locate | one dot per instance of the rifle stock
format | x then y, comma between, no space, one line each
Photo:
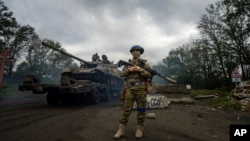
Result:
151,71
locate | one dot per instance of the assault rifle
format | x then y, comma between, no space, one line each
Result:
152,72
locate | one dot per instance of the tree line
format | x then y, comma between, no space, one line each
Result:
223,45
31,57
206,62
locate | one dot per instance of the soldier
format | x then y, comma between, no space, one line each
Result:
95,57
105,59
135,91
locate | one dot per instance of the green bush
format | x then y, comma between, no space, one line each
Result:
11,91
223,99
9,88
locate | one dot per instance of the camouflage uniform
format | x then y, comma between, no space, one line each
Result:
135,92
136,80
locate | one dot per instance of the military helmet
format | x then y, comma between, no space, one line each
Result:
137,47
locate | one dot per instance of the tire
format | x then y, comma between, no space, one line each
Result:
52,98
94,97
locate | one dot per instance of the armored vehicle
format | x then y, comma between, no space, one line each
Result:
94,81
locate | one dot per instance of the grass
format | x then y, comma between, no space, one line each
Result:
12,91
223,100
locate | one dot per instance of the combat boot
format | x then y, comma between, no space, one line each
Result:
120,132
138,133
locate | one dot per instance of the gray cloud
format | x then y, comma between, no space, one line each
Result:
111,27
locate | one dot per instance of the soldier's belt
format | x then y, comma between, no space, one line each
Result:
133,84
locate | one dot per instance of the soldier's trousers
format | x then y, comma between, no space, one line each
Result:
131,96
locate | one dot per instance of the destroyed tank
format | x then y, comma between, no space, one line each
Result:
94,81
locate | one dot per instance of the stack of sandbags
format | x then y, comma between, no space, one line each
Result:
172,89
242,93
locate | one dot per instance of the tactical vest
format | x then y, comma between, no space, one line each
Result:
136,76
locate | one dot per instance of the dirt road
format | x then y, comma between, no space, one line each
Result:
32,119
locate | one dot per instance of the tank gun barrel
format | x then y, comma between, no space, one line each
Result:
69,55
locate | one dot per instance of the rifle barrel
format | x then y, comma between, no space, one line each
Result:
151,71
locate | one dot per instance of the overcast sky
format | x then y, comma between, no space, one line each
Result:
111,27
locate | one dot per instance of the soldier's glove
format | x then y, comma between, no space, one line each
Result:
135,69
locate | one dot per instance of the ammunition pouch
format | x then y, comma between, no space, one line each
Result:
122,94
150,87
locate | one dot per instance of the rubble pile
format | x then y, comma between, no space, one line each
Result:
242,93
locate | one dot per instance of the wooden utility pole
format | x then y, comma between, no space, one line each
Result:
4,58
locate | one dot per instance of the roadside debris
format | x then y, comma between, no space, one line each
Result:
206,96
151,116
183,100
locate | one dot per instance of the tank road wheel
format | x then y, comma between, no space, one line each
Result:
107,95
94,97
52,98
